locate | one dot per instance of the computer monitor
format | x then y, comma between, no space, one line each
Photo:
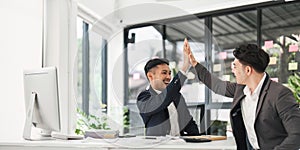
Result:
41,102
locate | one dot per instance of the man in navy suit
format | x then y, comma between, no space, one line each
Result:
156,103
264,114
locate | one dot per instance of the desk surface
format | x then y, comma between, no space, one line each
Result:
120,143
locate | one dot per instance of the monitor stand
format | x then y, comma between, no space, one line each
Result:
44,135
29,120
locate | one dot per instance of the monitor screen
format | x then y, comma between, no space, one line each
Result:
41,101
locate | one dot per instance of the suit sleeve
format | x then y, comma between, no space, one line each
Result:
186,122
149,104
191,129
224,88
289,113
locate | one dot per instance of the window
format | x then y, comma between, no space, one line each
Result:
230,31
213,36
280,37
164,41
148,44
90,69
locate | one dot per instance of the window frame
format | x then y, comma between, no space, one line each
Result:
207,16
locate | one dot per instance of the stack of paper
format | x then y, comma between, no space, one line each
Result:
103,134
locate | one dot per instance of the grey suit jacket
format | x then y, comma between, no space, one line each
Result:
154,112
277,122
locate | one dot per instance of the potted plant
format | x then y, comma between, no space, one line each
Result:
87,122
126,120
294,84
218,127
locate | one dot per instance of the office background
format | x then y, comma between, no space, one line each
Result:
22,41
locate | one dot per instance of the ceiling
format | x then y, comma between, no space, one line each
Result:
231,30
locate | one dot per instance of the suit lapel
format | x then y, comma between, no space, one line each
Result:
240,95
262,95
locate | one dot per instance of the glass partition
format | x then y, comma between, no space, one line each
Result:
213,37
280,37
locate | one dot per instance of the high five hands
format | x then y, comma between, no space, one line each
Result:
186,60
188,53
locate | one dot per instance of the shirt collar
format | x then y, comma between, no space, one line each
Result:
257,89
157,91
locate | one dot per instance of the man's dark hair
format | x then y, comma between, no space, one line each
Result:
154,62
252,55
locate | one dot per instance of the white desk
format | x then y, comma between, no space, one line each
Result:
122,143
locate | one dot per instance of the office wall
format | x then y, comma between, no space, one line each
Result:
60,51
21,43
149,10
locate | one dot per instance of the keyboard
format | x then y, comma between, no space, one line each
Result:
195,139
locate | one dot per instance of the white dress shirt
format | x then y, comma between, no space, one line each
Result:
249,105
173,116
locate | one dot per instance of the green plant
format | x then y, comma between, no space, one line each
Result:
218,127
126,121
294,84
87,122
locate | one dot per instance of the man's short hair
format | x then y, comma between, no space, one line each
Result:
253,56
153,63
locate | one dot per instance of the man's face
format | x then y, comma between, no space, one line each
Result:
159,76
239,71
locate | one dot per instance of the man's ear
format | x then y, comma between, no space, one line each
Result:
248,69
150,76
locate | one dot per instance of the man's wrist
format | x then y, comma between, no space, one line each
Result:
194,64
184,71
184,68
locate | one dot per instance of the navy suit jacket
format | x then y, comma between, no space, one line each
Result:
154,112
277,120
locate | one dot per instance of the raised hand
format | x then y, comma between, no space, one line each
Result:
187,50
186,61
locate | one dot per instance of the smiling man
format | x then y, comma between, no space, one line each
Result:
162,107
264,114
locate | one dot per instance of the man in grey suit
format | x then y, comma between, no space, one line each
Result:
162,107
264,114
